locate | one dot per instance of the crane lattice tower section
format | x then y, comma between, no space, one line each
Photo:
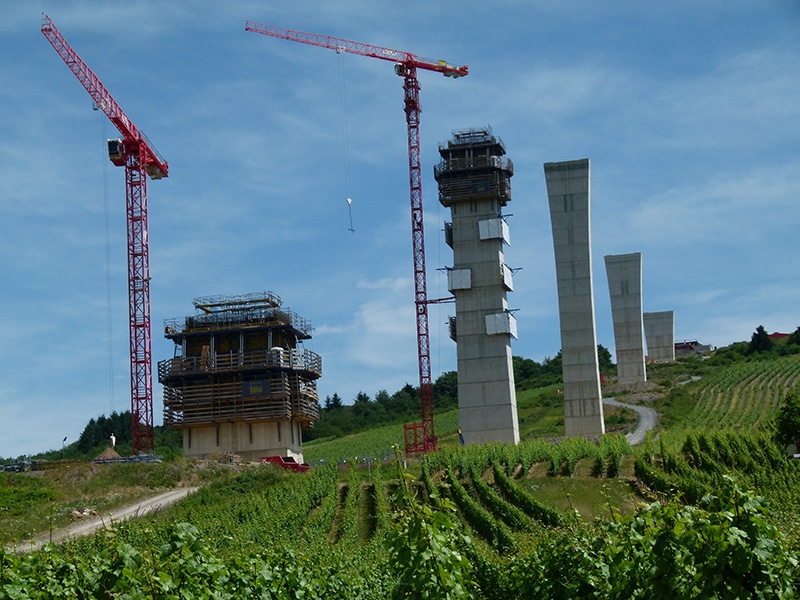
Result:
569,194
241,382
624,273
474,182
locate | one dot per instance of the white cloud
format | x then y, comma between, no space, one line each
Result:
738,206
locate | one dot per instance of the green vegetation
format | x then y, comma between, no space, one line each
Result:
95,438
787,422
538,401
540,412
35,502
744,394
708,506
338,419
377,443
723,548
463,529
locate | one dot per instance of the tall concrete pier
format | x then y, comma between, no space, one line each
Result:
625,286
568,190
474,182
659,332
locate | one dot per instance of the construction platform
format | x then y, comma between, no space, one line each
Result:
240,381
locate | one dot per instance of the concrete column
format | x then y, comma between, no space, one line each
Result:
568,190
659,332
473,179
625,286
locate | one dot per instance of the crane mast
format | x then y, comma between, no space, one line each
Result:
134,152
419,437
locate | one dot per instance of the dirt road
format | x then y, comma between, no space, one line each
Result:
89,525
647,420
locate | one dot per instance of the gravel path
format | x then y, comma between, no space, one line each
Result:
647,420
89,525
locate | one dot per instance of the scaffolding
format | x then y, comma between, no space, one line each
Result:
473,167
240,359
219,313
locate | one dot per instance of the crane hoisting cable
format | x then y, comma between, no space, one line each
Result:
346,143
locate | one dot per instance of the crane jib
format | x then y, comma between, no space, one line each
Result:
156,166
343,45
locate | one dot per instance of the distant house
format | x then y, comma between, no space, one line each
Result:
778,336
687,347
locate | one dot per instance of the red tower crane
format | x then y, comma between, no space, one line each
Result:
134,152
406,65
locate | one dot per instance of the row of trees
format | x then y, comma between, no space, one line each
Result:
96,437
529,374
761,345
98,431
761,342
338,418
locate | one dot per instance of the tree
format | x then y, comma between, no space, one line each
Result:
794,338
86,441
760,342
604,359
554,365
361,397
97,432
407,399
445,390
383,397
529,374
367,411
787,421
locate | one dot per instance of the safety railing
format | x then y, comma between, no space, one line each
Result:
294,359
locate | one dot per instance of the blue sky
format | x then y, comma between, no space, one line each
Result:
688,111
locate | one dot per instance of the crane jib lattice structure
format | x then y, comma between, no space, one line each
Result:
134,152
419,437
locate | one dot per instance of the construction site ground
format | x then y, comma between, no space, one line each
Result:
90,523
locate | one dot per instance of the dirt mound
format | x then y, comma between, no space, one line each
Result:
643,392
109,453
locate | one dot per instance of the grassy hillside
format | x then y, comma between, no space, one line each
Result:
34,502
40,500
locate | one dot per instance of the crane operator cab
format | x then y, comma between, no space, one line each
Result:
116,152
119,151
